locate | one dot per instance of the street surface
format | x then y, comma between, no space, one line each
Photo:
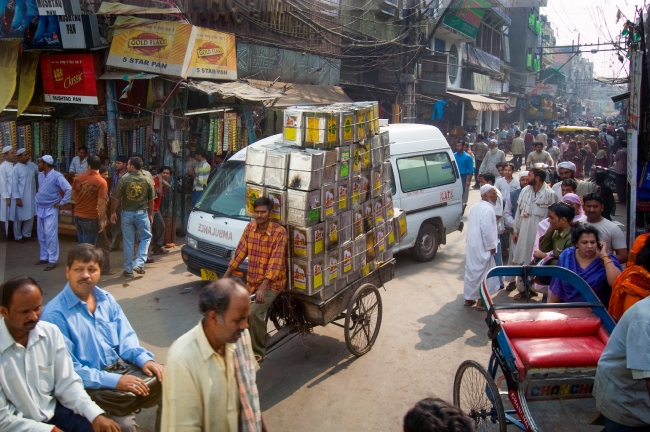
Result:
316,384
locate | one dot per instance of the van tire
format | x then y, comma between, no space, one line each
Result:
426,244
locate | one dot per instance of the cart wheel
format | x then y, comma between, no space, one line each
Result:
476,394
363,319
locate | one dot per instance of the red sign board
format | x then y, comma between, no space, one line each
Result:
69,78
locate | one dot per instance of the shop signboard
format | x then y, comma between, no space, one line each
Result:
214,55
467,18
160,48
58,7
542,89
69,78
20,20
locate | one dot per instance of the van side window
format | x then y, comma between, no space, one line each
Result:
425,171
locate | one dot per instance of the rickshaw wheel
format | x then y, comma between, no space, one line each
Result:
477,395
363,319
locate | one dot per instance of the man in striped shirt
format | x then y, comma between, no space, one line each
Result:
264,243
200,174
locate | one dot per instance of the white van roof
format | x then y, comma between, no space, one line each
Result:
404,138
411,137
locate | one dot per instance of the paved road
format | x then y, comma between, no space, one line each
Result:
316,384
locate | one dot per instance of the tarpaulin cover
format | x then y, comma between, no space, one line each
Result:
481,103
28,66
8,71
122,9
303,94
239,90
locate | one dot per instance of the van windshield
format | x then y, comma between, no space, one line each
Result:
226,193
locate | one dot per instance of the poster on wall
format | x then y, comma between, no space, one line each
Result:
19,19
160,47
214,55
69,78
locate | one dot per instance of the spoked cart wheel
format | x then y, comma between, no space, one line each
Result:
477,395
363,319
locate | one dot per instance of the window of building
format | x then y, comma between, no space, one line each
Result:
425,171
453,63
489,40
438,45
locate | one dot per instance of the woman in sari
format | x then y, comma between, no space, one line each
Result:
633,284
587,258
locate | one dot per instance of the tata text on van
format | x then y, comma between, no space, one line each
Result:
427,187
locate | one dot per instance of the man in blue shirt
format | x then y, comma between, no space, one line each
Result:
48,199
466,169
96,331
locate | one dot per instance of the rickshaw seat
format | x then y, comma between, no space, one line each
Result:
554,338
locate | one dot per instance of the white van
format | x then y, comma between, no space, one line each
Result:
426,186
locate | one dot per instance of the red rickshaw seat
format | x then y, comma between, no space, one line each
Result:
555,338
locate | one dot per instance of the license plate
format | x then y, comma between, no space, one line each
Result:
209,275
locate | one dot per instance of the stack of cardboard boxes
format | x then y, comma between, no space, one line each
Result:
329,181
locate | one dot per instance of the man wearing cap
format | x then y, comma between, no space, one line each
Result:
566,170
482,239
493,157
466,167
51,184
6,178
23,191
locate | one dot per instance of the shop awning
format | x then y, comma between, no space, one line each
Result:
303,94
481,103
126,76
239,90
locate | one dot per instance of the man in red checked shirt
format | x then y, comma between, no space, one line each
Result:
264,243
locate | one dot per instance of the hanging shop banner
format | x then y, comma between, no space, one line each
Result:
542,89
467,18
69,78
214,55
19,19
160,47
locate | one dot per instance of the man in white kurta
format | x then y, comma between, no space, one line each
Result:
23,190
532,208
482,239
6,176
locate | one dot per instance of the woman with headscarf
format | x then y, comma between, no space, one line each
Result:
633,284
602,157
573,155
575,201
587,258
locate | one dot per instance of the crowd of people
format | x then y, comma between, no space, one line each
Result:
566,222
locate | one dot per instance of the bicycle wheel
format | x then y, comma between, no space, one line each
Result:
477,395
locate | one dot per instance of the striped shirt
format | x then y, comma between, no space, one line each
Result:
95,341
620,161
50,187
266,252
202,172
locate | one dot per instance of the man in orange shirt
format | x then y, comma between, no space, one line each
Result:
161,183
89,192
264,243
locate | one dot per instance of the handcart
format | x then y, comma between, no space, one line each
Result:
545,352
356,308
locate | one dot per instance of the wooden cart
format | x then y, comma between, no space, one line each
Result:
358,306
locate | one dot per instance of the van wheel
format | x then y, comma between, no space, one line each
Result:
426,245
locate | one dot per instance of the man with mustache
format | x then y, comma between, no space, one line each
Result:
210,377
96,331
39,390
264,243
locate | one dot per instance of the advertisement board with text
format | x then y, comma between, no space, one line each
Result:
214,55
69,78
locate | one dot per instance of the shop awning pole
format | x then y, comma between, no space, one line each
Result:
462,113
111,117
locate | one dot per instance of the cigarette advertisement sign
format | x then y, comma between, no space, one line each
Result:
214,55
160,47
69,78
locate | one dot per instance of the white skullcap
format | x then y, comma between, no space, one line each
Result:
494,141
486,188
567,165
48,159
523,174
5,149
21,151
